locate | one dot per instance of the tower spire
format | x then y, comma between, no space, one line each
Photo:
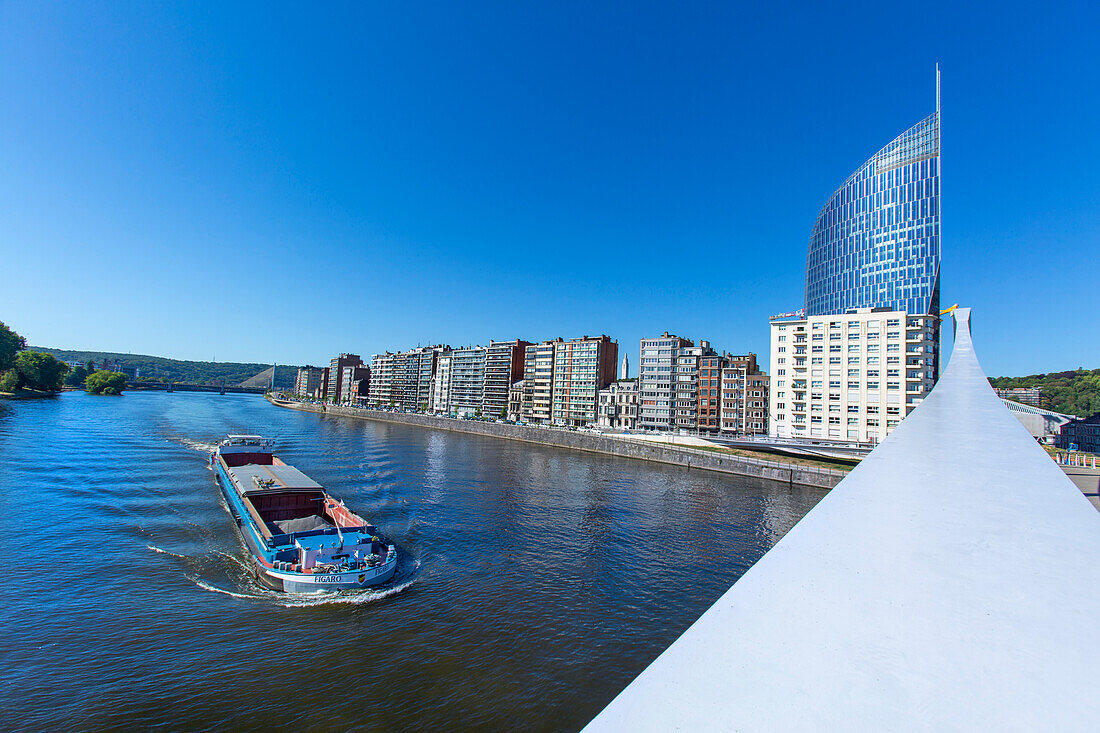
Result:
937,89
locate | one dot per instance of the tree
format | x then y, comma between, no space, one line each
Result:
10,344
9,381
76,377
40,371
105,382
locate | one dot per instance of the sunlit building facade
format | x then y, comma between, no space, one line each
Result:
864,352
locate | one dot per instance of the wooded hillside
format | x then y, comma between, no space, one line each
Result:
159,368
1073,393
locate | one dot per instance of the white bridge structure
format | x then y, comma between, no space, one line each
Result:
950,582
1039,422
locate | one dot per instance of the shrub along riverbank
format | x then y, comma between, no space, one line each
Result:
27,373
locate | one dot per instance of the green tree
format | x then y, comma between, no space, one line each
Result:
105,382
9,381
10,344
76,377
40,371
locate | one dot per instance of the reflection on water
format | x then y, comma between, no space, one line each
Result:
534,583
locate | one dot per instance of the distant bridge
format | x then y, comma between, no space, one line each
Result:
950,582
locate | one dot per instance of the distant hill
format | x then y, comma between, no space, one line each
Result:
158,368
1073,393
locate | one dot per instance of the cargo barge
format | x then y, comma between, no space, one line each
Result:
301,539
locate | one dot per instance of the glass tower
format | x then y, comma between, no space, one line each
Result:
876,242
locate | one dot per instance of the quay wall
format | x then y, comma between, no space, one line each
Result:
678,455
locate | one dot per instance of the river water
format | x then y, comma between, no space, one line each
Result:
534,583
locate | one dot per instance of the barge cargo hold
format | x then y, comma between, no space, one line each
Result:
301,539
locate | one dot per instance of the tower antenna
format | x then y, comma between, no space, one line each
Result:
937,89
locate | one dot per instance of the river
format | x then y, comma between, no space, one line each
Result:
534,582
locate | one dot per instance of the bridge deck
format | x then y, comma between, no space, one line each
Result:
951,581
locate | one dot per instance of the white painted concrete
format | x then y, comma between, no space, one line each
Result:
950,582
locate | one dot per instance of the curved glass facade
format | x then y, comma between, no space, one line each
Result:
876,243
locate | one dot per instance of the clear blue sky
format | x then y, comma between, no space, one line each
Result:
281,182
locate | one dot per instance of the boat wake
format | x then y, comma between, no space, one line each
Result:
215,589
154,548
349,597
299,600
196,445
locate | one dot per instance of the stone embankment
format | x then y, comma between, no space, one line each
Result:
615,445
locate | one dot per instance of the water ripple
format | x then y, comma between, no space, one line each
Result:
533,583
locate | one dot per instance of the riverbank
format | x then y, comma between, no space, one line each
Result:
706,459
27,394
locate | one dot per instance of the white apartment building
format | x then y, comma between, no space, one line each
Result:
467,380
850,376
382,368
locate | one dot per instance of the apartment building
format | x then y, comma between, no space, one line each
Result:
405,369
582,367
504,361
308,381
404,379
353,379
852,376
618,405
686,385
756,404
420,365
709,413
383,367
656,366
441,385
736,415
538,382
336,374
467,390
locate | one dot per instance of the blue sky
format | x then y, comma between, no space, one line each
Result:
279,182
